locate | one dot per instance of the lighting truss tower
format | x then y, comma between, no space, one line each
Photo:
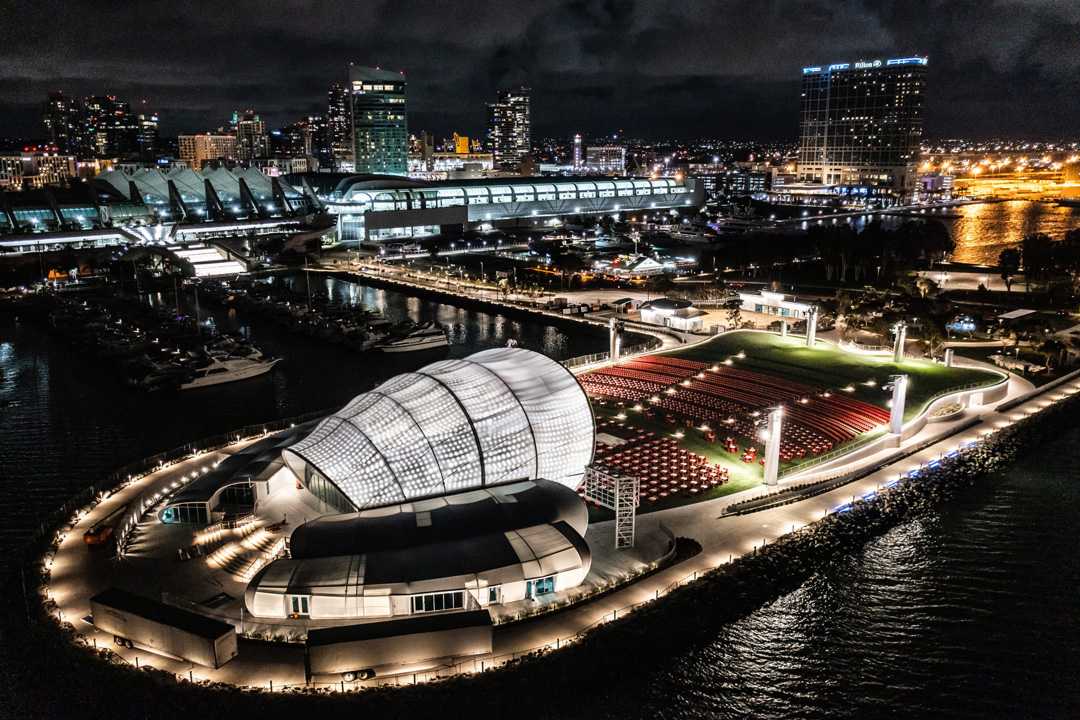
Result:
811,326
901,338
618,493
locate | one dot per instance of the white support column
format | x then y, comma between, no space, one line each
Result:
896,412
901,338
772,446
811,326
783,328
614,339
948,357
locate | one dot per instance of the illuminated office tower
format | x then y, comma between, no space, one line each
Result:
252,140
339,125
379,125
578,159
861,123
509,128
61,120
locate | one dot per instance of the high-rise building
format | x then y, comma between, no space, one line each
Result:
461,144
339,125
251,138
296,140
197,150
109,128
606,159
861,123
147,137
379,126
61,118
578,159
509,129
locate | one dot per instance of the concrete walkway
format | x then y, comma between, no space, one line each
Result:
77,573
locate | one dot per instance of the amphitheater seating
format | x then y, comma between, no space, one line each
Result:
733,399
663,467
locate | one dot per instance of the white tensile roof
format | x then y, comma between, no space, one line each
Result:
496,416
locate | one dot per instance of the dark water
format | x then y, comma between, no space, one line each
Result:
974,613
67,420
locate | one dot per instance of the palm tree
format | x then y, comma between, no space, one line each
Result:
1008,264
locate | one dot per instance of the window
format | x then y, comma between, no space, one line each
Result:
188,513
300,605
438,602
544,585
495,594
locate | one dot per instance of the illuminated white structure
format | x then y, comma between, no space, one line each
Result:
901,338
772,445
811,326
896,410
497,416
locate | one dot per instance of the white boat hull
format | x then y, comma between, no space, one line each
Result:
424,344
233,376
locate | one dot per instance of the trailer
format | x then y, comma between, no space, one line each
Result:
137,621
352,652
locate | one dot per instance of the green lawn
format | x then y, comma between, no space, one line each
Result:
826,366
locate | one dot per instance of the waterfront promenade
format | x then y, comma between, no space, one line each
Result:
76,574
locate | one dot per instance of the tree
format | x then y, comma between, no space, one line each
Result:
1036,249
734,311
1052,351
1008,264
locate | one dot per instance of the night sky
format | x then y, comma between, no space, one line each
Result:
679,68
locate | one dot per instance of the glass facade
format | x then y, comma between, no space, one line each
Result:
379,126
862,122
188,513
438,602
496,416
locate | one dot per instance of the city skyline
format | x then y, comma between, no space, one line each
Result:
697,69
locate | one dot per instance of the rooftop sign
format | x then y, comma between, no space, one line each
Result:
865,65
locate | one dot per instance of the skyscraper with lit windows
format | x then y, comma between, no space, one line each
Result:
379,125
861,123
509,128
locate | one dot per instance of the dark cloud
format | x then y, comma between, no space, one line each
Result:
687,68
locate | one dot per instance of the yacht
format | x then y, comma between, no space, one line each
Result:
425,336
229,368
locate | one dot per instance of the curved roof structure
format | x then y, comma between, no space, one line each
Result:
497,416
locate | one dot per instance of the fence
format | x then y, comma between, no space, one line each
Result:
582,360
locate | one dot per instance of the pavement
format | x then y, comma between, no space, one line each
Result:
77,572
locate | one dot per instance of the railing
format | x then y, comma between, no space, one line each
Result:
841,451
581,360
